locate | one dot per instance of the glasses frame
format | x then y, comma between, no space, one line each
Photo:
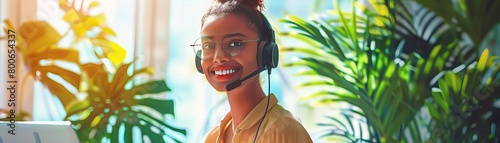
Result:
220,43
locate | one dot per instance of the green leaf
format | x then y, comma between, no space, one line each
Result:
151,87
434,113
326,96
128,134
303,50
439,100
481,65
78,107
161,123
333,43
162,106
147,131
303,25
315,83
116,127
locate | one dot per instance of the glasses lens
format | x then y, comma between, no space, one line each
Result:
233,45
203,47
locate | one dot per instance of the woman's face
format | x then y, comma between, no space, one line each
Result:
222,67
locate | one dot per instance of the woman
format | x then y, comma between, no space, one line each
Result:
232,33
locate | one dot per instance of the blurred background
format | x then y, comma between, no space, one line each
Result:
352,70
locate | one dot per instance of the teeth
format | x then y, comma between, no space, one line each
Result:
224,72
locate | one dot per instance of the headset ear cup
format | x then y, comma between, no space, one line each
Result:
197,62
261,54
273,55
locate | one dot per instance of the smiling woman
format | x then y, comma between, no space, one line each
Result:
237,42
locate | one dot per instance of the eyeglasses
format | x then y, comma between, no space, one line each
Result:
204,47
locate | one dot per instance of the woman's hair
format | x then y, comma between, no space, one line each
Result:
250,9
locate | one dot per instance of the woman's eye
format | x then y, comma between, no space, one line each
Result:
235,44
207,46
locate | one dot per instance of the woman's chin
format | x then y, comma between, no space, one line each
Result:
219,87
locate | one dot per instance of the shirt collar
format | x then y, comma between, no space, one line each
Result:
251,119
256,114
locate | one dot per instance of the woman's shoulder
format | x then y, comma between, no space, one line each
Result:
284,127
213,134
282,118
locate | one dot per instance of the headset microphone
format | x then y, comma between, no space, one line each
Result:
232,85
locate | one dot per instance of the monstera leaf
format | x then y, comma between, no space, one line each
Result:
113,112
113,109
37,44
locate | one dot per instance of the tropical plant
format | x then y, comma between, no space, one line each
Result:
115,108
111,106
463,104
385,60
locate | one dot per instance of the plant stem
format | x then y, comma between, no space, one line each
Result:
81,5
20,103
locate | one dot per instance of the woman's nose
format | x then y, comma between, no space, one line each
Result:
220,56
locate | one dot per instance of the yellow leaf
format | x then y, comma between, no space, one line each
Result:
71,16
116,58
66,97
96,74
146,70
63,4
95,20
107,30
38,35
8,27
91,69
114,52
93,4
481,64
19,39
376,7
80,30
70,77
360,5
96,121
69,55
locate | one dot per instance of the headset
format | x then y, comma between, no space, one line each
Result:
267,58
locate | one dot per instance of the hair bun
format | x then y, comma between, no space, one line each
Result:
258,4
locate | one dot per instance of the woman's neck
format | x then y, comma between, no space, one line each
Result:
243,99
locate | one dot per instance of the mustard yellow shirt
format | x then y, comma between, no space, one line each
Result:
279,126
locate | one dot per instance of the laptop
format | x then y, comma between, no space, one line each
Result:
37,132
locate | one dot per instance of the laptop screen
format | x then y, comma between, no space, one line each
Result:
37,132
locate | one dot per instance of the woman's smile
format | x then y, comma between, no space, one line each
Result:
224,73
